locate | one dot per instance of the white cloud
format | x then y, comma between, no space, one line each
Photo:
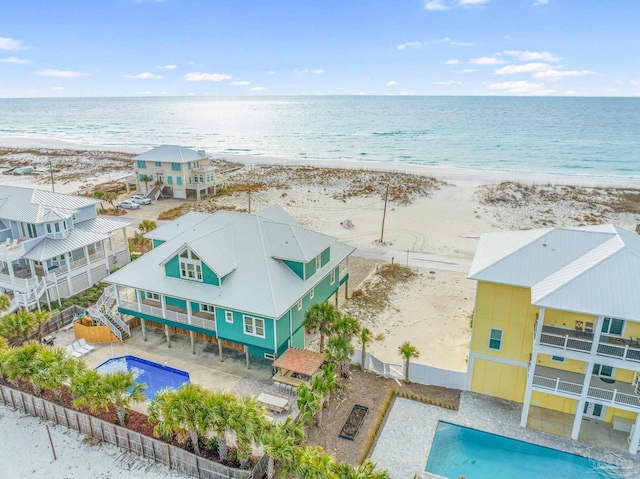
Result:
559,74
300,71
10,44
167,67
198,76
449,4
61,73
453,61
391,83
486,61
524,68
240,83
409,45
521,88
271,72
461,44
467,70
539,2
258,88
143,76
14,60
57,88
448,82
526,56
319,71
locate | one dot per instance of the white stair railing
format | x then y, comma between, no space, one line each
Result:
96,314
102,312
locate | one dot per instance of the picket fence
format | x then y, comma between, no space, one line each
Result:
418,373
173,457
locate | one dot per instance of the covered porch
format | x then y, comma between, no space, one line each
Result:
296,366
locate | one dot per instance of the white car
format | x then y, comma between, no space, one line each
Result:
141,200
128,205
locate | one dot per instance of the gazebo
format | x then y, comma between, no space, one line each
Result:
297,365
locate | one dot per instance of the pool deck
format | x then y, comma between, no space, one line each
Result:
405,441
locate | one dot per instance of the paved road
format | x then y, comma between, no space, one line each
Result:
416,259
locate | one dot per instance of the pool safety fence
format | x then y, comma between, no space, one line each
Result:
180,460
418,373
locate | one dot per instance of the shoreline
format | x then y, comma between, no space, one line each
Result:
447,173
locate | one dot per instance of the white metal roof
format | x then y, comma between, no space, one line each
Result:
30,205
259,283
591,270
101,224
48,247
177,226
171,154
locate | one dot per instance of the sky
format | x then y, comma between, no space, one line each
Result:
94,48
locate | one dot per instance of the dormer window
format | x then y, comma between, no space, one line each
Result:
318,262
190,266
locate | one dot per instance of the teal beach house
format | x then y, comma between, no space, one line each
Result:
241,280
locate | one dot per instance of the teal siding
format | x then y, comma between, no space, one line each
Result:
156,242
195,307
310,268
325,257
178,303
235,332
283,332
172,268
259,352
155,319
209,276
297,268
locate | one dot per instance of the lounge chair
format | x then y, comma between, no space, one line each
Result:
79,349
85,345
72,352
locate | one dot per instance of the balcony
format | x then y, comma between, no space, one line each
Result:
616,393
173,313
571,340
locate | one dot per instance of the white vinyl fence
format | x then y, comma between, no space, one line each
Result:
418,373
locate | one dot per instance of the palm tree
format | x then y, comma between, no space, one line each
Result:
146,179
110,197
180,412
147,225
330,380
41,317
16,327
340,350
282,443
408,351
5,303
314,463
21,364
220,407
366,470
248,421
345,326
366,337
84,387
52,369
159,183
309,403
321,317
139,241
5,355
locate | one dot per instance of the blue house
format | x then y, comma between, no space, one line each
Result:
241,280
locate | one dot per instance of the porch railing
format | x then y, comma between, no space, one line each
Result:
565,341
171,315
619,351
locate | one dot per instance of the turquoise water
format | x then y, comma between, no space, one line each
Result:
459,451
155,376
578,136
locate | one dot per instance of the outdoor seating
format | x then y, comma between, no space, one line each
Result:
83,343
588,329
73,353
79,349
579,327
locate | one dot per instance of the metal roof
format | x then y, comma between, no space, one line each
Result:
101,224
259,283
591,270
171,154
30,205
48,247
177,226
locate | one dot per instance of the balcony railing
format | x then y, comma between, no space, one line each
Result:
170,314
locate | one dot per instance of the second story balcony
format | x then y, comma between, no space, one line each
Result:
609,346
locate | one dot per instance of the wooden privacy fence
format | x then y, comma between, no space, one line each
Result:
58,321
174,457
418,373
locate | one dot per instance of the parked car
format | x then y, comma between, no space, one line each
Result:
128,205
141,200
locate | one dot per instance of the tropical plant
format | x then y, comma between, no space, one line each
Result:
408,352
345,326
160,184
21,364
282,443
366,470
53,368
180,412
5,354
84,387
5,303
110,197
16,327
147,225
146,179
41,317
139,241
309,403
321,318
220,407
366,337
325,382
248,421
314,463
339,351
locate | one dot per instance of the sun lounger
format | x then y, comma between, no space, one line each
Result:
85,345
72,352
79,349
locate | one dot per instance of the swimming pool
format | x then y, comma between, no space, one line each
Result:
155,376
460,451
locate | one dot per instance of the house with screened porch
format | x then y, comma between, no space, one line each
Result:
556,324
243,281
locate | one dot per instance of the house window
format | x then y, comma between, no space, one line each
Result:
333,276
179,180
557,359
312,293
603,371
189,165
254,326
207,308
299,304
195,179
318,262
48,227
175,166
228,317
613,326
495,339
269,356
142,164
158,163
152,295
190,265
169,180
196,164
201,179
57,227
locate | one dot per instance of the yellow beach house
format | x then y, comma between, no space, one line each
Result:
556,323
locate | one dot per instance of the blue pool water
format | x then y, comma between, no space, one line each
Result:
461,451
155,376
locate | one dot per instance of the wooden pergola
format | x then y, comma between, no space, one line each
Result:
297,365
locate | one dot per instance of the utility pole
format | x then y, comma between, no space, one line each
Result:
249,197
53,188
384,214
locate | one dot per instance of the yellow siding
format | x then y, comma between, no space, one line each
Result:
631,330
499,380
566,319
556,403
611,411
572,365
507,308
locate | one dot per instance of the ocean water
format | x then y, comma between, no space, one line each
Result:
576,136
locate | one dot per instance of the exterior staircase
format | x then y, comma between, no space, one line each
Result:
103,312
